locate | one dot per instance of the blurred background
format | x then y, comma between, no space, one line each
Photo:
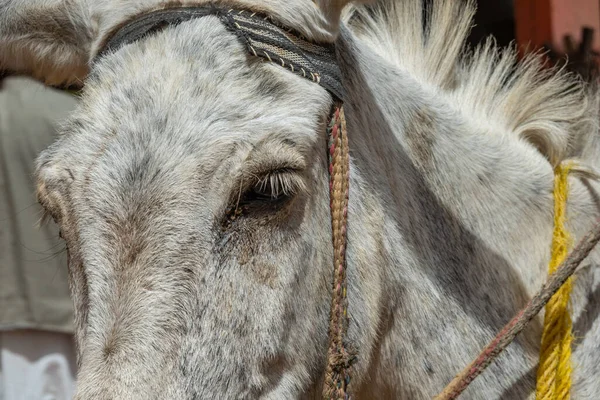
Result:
566,29
37,356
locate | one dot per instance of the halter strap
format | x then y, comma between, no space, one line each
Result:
261,37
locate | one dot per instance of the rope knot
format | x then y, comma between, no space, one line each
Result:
342,360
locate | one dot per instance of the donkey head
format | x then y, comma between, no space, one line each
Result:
191,189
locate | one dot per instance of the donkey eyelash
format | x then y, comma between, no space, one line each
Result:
270,189
275,184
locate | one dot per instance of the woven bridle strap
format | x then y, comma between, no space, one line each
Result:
260,35
263,38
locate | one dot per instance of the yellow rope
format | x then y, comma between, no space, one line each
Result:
554,370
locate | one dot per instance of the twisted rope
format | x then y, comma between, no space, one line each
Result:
554,370
520,321
337,377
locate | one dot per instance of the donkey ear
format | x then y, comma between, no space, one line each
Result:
49,40
332,9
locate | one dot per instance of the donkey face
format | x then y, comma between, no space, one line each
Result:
191,189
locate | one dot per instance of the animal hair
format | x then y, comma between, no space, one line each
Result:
278,183
179,294
545,106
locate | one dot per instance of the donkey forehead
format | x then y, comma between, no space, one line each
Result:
193,89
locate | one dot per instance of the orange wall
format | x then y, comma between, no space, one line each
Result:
543,21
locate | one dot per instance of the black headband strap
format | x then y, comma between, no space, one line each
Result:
260,36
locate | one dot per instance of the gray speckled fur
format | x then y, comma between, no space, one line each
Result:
450,214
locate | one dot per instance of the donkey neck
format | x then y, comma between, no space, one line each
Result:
443,186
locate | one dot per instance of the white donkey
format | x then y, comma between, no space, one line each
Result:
191,189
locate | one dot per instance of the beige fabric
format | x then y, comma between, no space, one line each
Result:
33,272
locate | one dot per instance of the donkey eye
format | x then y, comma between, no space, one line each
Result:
260,193
273,187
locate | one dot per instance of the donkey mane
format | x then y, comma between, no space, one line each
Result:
548,107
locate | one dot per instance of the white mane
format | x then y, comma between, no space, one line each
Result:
488,85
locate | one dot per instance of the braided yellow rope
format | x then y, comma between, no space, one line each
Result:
554,370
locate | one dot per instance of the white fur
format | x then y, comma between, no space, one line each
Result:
185,290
